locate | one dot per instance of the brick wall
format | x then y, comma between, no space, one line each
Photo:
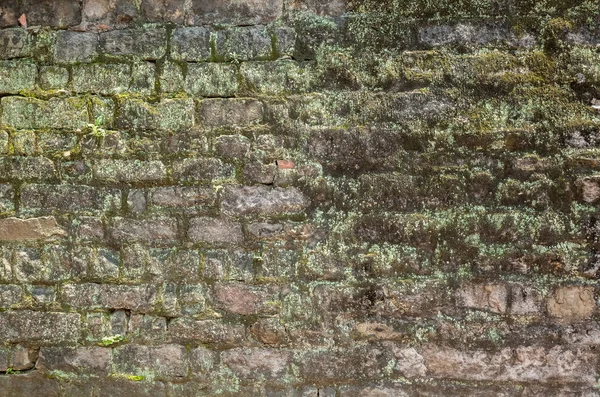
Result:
299,198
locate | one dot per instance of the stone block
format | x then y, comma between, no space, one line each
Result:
17,75
525,301
244,44
143,78
216,332
9,13
232,146
79,360
191,44
27,168
257,363
30,384
215,231
490,297
153,231
15,229
56,113
147,44
55,13
171,79
53,77
520,364
571,303
243,200
166,361
137,298
101,78
129,170
6,198
40,327
10,295
342,365
14,43
245,12
75,47
224,112
167,115
211,80
67,198
201,170
276,78
188,198
50,265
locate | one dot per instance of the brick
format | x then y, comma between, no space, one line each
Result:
171,79
14,229
129,170
188,198
143,78
245,12
114,386
520,364
257,363
27,168
231,146
571,303
337,365
243,44
50,265
190,44
222,112
79,360
10,295
53,77
169,11
101,78
214,231
6,198
240,299
166,361
262,200
147,44
9,13
30,384
16,76
137,298
167,115
56,113
226,265
43,327
88,228
276,78
206,331
525,300
55,13
14,43
321,7
22,358
201,170
74,47
69,198
476,35
490,297
211,80
155,231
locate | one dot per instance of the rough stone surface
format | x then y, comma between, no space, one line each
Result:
285,198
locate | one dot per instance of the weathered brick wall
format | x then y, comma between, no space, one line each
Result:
299,198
